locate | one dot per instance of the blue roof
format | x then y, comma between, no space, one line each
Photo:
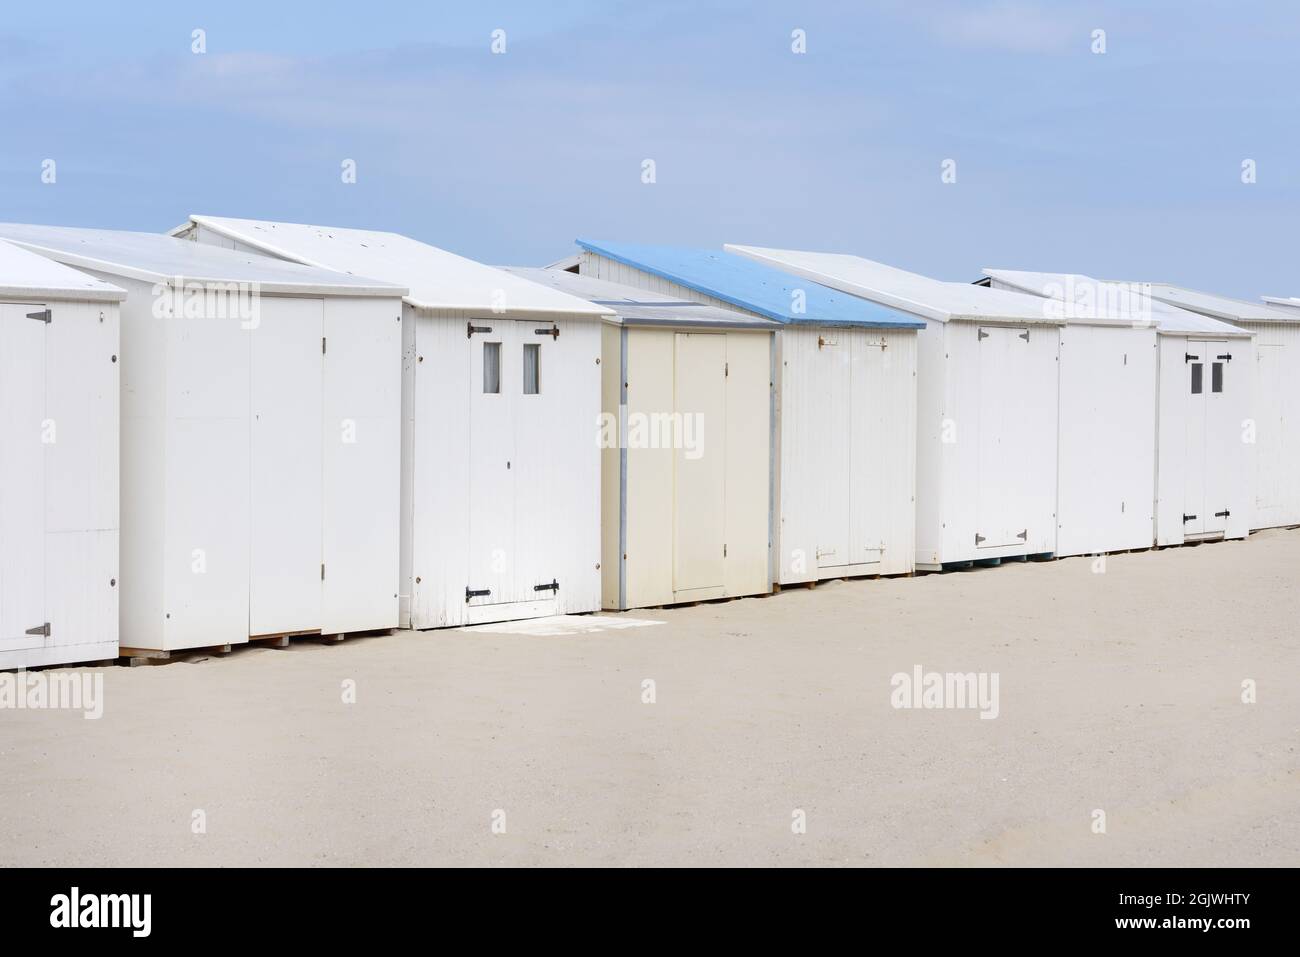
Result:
753,286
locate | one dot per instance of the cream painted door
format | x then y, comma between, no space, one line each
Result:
699,467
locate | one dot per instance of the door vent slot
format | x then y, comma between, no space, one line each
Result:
552,586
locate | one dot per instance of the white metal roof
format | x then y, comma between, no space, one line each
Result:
640,306
906,291
1285,304
1220,307
435,278
26,275
1125,302
153,258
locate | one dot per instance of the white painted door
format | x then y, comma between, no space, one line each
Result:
22,477
833,377
1003,374
286,491
530,373
868,470
699,472
493,392
1209,377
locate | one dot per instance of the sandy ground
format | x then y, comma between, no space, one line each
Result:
1118,691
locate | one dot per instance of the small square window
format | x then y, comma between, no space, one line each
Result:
532,368
1216,377
1197,373
491,368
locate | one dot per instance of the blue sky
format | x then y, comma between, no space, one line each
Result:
1123,165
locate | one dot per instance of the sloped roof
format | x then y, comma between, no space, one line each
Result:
1124,302
899,289
752,286
435,278
1219,307
27,275
154,258
638,306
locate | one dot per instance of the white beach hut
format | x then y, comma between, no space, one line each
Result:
844,372
260,438
1021,451
686,449
58,463
500,491
1203,381
1276,409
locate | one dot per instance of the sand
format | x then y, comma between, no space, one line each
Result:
1119,692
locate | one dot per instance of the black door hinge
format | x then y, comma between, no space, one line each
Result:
470,329
553,585
44,316
1224,514
472,593
553,332
42,631
1188,357
1025,335
1024,536
979,539
1227,358
1188,518
981,335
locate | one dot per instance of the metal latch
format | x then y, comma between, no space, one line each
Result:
553,332
44,316
470,329
42,631
471,593
552,586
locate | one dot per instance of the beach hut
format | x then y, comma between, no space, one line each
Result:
58,463
1013,434
500,490
1202,380
686,445
1276,410
845,379
261,423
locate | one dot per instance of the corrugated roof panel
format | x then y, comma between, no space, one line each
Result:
753,286
638,306
436,278
28,275
152,257
1123,302
1290,304
899,289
